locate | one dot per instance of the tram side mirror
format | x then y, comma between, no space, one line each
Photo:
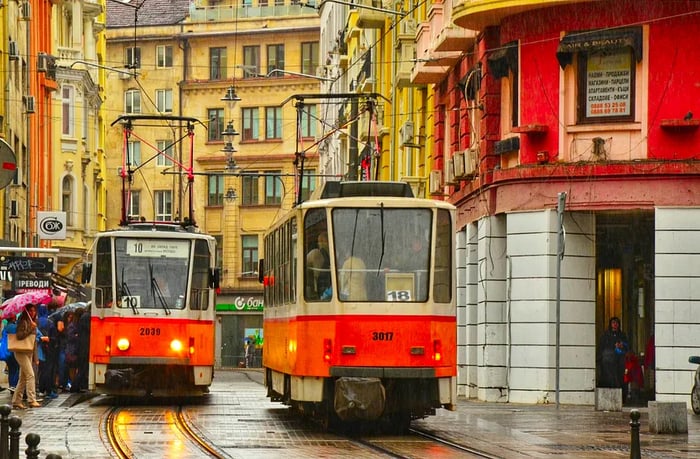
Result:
214,278
261,271
86,274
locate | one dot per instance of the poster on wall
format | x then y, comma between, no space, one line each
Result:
609,84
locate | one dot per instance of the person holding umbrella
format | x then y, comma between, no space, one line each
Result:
26,325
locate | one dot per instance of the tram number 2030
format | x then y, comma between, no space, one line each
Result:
382,336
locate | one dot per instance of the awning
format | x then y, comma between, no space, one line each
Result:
503,59
599,40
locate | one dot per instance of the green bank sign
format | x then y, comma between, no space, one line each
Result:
242,304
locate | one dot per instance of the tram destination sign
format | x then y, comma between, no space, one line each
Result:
26,264
158,248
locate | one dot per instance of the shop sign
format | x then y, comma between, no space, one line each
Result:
242,304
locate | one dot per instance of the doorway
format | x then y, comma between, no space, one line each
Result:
625,289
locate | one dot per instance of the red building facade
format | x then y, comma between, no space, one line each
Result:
596,103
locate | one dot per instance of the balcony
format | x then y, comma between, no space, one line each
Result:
478,14
430,67
368,18
450,37
200,12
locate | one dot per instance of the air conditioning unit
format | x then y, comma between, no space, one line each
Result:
406,133
450,173
471,161
25,11
436,182
42,62
458,163
29,103
124,75
13,50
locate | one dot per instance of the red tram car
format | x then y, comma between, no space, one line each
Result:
359,320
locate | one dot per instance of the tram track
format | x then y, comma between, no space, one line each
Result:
156,432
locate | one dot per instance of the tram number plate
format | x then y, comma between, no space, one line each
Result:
131,302
382,336
149,331
398,295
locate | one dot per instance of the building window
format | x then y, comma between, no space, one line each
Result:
308,184
249,189
165,148
251,61
164,56
132,101
273,188
132,58
216,190
164,100
133,153
164,205
309,120
309,57
217,63
251,121
134,205
249,262
605,72
606,82
503,64
216,124
275,59
67,199
68,111
273,123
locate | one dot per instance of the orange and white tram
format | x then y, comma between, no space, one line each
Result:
152,315
359,319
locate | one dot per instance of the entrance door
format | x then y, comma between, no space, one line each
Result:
233,339
625,282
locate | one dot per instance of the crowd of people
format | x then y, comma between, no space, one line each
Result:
59,358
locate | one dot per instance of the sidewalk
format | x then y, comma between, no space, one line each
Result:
535,431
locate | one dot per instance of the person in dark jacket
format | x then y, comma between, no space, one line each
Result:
611,356
81,378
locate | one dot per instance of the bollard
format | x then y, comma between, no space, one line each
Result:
635,451
15,423
32,451
5,411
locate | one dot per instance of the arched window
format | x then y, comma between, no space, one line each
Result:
67,199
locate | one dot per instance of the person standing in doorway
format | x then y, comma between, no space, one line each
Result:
611,357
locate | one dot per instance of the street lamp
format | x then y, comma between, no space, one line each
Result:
231,194
230,132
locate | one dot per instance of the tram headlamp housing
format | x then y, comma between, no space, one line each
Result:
123,344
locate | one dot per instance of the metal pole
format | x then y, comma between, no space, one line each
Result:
560,254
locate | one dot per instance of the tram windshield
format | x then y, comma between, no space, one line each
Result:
382,254
151,273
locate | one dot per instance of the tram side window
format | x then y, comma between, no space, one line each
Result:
103,273
200,276
443,258
317,265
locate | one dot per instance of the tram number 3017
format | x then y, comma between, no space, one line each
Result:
149,331
382,336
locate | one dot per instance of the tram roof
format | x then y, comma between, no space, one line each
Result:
366,189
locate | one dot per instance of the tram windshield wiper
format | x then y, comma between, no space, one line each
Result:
157,292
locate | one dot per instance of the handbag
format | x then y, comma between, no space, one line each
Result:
26,344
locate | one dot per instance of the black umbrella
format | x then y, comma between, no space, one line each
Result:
59,313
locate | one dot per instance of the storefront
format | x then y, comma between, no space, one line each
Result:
239,330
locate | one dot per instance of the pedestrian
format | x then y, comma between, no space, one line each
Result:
72,346
611,350
26,326
10,326
81,378
48,367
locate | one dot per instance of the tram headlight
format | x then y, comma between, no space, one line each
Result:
176,345
123,344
